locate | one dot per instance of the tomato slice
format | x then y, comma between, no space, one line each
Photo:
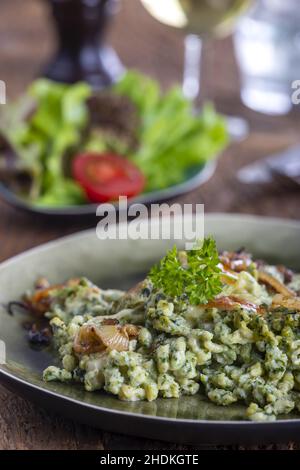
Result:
105,177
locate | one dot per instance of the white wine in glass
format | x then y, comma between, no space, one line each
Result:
199,19
202,17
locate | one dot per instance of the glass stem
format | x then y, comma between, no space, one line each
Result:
192,67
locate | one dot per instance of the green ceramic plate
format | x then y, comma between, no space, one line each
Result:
113,263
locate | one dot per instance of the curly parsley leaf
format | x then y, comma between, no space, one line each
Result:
194,273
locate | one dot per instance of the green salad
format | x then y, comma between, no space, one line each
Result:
45,129
226,326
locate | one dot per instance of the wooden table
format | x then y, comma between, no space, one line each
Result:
25,44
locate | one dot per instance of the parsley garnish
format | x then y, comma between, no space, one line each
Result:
197,276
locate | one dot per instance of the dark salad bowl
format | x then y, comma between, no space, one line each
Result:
197,178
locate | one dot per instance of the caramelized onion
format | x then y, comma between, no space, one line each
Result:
110,321
291,303
287,273
131,330
114,337
87,341
228,276
235,261
39,302
92,339
275,284
230,303
136,289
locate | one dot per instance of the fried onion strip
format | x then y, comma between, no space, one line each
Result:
276,285
290,303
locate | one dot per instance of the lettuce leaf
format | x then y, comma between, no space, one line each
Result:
174,141
54,128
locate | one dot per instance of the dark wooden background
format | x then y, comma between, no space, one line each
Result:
26,43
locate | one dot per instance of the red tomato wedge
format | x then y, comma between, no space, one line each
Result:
105,177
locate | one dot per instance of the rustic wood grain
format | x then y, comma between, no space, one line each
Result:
26,44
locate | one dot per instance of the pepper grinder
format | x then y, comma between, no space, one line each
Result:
81,54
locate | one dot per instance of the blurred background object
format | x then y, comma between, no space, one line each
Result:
81,55
267,44
27,41
200,20
283,167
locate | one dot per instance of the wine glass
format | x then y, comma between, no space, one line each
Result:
200,19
